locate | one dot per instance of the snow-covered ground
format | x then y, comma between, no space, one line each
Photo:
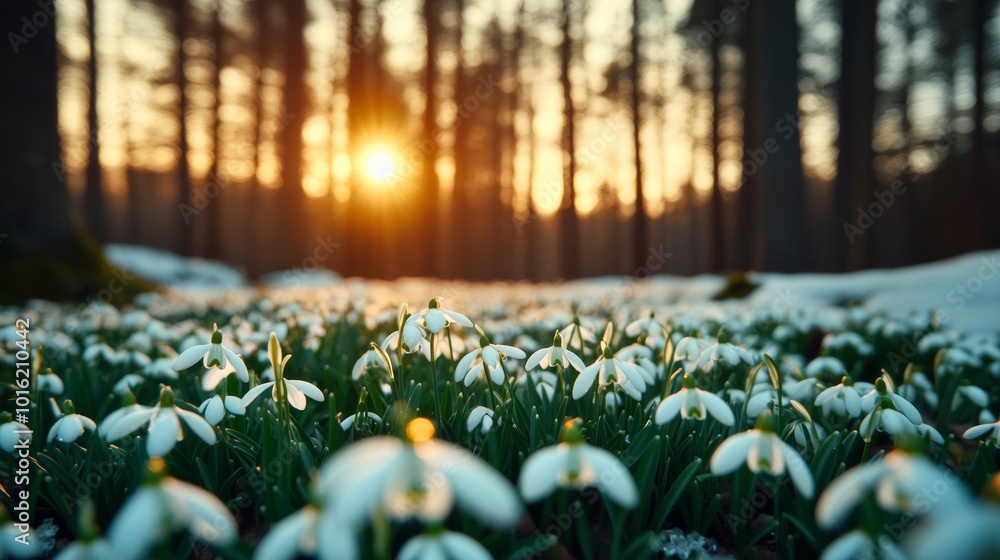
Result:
964,291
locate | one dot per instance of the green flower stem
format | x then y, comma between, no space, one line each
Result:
434,379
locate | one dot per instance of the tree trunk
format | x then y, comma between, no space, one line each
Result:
93,192
748,221
785,244
261,13
856,108
43,254
568,236
428,265
640,237
213,221
717,226
295,223
186,233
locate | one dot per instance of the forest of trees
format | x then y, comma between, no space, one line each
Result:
535,140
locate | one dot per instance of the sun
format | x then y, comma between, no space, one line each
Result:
380,166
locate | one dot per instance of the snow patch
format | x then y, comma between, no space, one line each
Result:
171,270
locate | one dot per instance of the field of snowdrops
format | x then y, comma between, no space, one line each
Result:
374,420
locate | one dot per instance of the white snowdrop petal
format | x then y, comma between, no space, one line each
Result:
798,470
308,389
463,547
586,379
282,541
668,408
718,408
203,514
334,540
539,473
237,363
295,397
478,488
140,524
732,453
613,478
164,431
190,357
126,424
848,547
197,424
255,392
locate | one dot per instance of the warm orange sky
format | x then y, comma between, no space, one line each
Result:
134,46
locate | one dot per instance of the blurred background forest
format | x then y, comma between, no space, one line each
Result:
504,139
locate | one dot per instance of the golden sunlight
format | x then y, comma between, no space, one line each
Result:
380,166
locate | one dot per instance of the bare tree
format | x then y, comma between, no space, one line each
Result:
180,13
93,192
856,109
640,235
295,105
568,234
213,222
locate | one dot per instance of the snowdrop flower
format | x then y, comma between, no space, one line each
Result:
918,387
763,395
825,366
573,463
545,382
847,340
215,375
481,417
414,340
650,328
127,383
972,394
416,477
293,390
609,370
310,531
443,545
888,412
576,331
964,533
165,427
352,420
843,399
161,368
70,425
882,395
49,383
859,544
212,355
689,349
435,319
991,428
886,420
801,389
100,350
642,356
163,504
555,355
900,482
486,359
722,353
12,433
370,360
214,409
12,544
692,402
762,450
